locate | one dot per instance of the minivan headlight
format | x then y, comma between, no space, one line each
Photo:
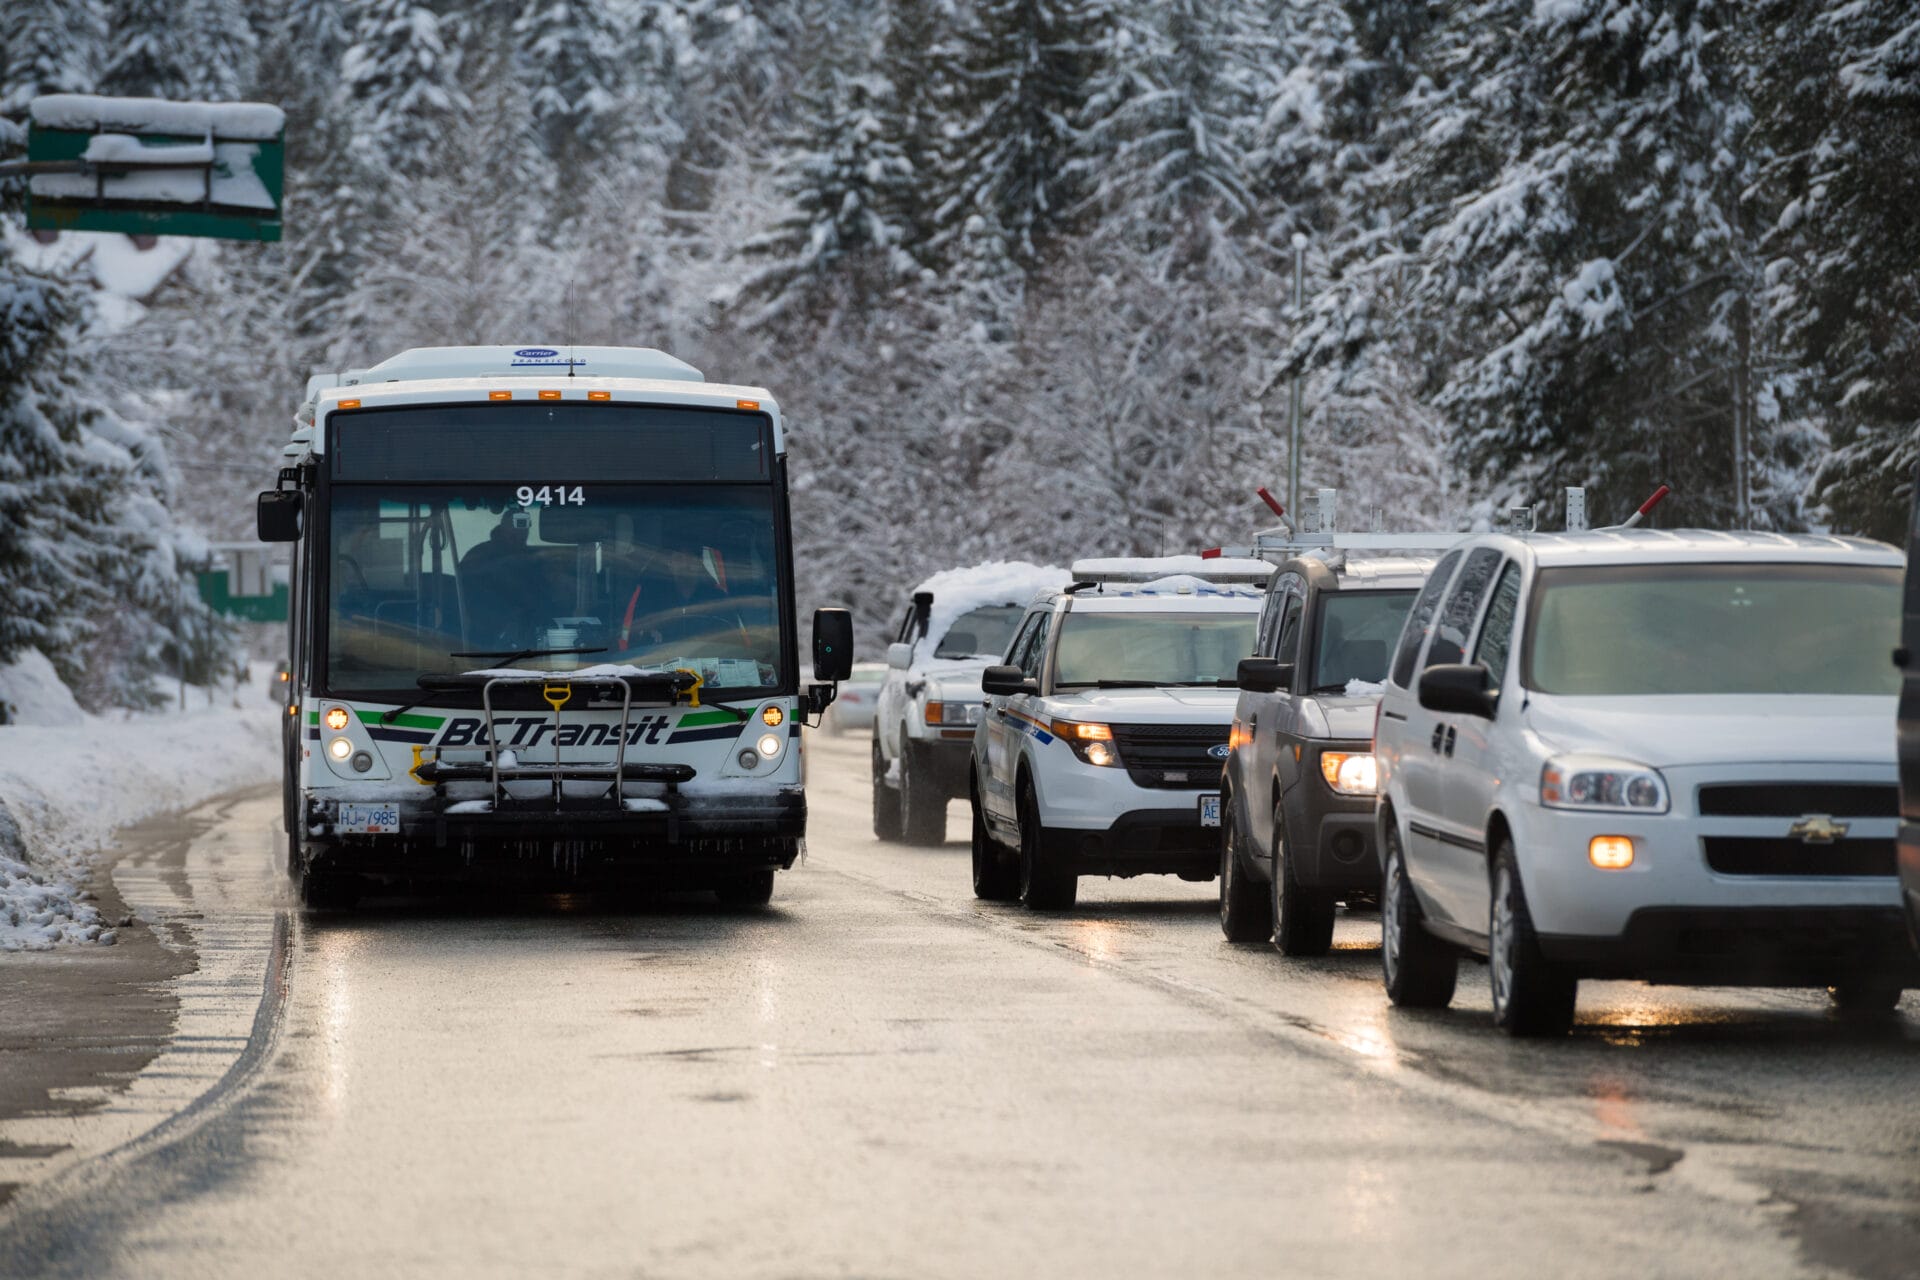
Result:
1596,784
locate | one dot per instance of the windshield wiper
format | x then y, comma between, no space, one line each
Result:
505,655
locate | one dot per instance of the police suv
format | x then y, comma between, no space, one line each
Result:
1106,726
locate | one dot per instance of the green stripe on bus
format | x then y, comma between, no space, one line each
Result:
404,722
694,719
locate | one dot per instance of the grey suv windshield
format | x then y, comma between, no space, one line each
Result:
1714,628
1152,648
1355,637
981,632
657,576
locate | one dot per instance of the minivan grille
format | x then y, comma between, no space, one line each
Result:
1797,799
1171,756
1783,856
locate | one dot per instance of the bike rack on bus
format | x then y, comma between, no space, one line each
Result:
557,690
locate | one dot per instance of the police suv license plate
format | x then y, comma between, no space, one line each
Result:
1210,810
376,819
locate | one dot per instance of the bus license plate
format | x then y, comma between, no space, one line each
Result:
375,819
1210,811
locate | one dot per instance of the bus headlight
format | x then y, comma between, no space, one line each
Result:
340,748
769,745
336,719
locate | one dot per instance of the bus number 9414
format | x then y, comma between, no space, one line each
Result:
551,495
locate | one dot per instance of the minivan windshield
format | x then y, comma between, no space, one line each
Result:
1356,635
1152,648
1713,629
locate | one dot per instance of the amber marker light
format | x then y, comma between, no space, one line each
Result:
336,718
549,395
772,717
1610,853
599,395
349,404
499,395
746,404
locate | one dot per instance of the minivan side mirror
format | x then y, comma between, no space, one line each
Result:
1264,675
1006,681
832,644
899,655
1459,688
277,515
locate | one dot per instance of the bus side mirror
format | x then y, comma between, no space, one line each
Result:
278,515
832,644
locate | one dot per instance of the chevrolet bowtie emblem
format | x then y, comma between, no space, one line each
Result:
1817,828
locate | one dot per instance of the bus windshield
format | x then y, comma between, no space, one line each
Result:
655,576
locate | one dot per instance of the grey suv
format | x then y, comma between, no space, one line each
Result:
1297,831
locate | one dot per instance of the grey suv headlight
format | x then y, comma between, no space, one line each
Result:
1600,784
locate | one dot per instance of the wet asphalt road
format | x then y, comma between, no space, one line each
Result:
880,1076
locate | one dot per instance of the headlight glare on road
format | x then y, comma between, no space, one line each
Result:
769,745
340,748
1350,773
1596,783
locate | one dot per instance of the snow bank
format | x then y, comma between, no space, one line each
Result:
68,779
958,591
256,121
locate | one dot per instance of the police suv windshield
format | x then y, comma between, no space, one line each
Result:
1146,649
653,575
1714,629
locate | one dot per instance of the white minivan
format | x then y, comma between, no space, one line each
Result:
1663,755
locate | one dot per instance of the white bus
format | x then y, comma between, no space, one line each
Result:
542,626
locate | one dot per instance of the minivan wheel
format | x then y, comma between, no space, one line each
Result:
1420,970
886,801
1302,917
1246,914
1530,996
1044,885
996,876
1863,997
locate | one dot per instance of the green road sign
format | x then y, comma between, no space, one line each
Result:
145,166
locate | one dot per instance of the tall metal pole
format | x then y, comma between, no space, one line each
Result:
1293,392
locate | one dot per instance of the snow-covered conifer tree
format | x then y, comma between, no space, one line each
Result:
49,46
402,78
573,57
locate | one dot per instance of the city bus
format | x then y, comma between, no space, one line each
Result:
542,627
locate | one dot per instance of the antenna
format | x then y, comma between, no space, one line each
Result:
573,323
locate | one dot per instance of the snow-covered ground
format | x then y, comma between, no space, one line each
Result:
68,779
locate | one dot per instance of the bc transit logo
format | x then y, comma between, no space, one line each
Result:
535,353
1218,751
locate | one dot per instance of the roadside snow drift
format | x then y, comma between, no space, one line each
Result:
68,779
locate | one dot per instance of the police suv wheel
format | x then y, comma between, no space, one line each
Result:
1044,885
886,801
1302,917
1246,914
923,803
996,874
1530,996
1418,968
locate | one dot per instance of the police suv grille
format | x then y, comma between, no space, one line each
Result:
1797,799
1171,756
1781,856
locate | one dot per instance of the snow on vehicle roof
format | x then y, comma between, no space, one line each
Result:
532,360
1150,568
1003,582
1697,546
228,121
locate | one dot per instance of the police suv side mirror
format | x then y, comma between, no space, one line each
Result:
1459,688
899,655
832,644
278,515
1264,675
1006,681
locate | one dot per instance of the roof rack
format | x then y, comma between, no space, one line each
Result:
1137,570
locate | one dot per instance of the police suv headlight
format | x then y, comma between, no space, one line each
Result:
1598,784
1093,743
1350,773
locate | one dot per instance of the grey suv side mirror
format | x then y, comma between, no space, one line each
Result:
1264,675
1007,680
1459,688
